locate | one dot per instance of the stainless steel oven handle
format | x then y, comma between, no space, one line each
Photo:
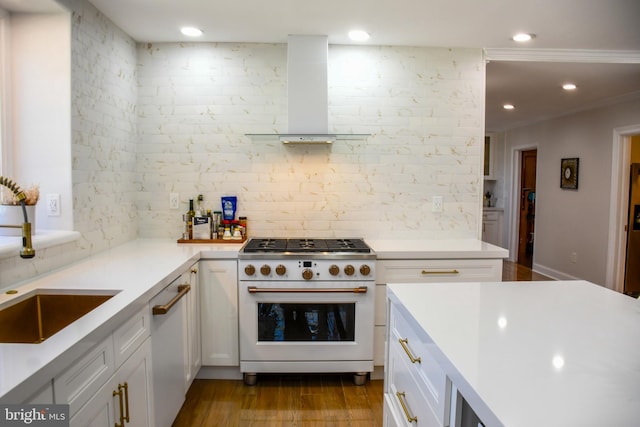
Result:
358,290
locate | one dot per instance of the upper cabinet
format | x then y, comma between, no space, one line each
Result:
488,158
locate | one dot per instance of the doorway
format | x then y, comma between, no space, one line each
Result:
619,206
527,207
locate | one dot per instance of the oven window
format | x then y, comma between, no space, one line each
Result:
306,322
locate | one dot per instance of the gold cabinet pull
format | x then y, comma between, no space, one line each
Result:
410,419
125,387
427,272
403,343
121,404
164,309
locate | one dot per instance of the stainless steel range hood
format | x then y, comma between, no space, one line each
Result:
307,92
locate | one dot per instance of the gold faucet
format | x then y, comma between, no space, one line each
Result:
27,249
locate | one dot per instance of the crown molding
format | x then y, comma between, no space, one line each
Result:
564,55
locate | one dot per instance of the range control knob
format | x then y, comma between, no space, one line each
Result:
334,270
250,270
307,274
349,270
280,270
265,270
365,270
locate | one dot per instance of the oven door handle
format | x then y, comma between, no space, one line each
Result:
358,290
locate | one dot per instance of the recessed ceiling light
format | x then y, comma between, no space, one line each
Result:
522,37
508,106
191,31
358,35
569,86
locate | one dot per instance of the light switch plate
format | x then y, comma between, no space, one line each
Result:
174,201
53,204
436,204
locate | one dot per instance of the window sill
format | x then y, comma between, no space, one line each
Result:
10,245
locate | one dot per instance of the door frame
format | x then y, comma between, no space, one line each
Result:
619,205
514,205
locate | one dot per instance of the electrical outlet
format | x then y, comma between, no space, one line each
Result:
574,257
174,201
436,204
53,204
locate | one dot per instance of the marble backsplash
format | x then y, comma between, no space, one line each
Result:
421,106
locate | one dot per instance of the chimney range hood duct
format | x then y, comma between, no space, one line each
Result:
308,106
307,91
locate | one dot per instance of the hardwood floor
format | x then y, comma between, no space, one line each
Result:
512,271
283,400
297,400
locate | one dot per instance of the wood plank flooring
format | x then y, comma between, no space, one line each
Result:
283,400
512,271
296,400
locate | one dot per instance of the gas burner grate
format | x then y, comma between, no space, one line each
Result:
266,245
305,245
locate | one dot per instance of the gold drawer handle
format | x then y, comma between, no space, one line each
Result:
427,272
403,343
405,409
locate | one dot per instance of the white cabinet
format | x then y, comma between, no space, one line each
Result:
170,349
424,271
125,397
219,312
193,355
416,388
116,370
492,227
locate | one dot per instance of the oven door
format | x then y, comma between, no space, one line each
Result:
306,321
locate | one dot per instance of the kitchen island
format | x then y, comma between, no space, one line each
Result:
527,354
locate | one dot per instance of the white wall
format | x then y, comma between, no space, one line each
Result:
103,137
422,106
40,58
569,221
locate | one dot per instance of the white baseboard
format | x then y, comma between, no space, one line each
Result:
554,274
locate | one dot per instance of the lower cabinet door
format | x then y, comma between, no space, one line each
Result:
100,410
123,400
219,312
406,398
390,417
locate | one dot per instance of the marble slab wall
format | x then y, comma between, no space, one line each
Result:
423,109
103,144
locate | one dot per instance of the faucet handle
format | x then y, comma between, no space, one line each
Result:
27,250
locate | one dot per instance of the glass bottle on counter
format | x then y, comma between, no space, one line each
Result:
190,214
199,208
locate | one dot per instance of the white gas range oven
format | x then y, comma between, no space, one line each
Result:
306,306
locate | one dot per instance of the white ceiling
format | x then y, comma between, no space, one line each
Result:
568,25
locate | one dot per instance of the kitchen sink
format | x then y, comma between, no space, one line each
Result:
45,312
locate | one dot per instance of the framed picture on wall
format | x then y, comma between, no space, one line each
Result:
569,173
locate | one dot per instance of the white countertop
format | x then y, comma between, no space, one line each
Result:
436,249
138,270
528,354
